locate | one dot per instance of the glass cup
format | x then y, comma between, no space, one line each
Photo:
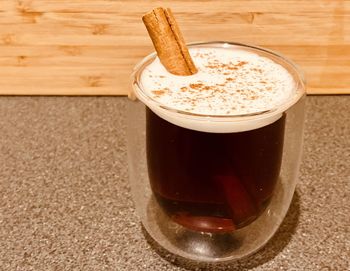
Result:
213,188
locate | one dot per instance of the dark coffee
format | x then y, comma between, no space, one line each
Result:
213,182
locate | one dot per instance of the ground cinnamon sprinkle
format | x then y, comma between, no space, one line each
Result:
196,86
212,66
158,92
206,88
230,86
183,89
231,67
241,63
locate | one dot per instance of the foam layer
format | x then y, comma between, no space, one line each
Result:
229,82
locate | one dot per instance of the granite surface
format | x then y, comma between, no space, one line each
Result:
65,202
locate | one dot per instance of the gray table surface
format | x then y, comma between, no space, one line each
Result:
65,200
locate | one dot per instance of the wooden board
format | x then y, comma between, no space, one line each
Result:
89,47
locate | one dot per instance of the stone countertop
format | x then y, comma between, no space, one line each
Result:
65,201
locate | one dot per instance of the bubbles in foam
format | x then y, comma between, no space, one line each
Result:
228,82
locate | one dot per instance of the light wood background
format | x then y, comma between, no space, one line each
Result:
88,47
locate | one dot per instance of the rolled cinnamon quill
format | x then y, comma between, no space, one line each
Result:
169,42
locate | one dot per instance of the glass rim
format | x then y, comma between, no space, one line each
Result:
298,76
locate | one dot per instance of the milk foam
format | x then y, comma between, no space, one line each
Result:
229,82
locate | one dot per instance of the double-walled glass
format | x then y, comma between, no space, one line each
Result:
213,188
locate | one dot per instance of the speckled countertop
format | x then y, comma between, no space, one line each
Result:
65,202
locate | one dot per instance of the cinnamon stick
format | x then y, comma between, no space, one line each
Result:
169,42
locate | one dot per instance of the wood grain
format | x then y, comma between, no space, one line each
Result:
89,47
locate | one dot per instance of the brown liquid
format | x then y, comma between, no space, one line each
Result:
213,182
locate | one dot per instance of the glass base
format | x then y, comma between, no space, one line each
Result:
215,247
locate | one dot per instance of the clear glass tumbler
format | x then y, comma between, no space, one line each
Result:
220,193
